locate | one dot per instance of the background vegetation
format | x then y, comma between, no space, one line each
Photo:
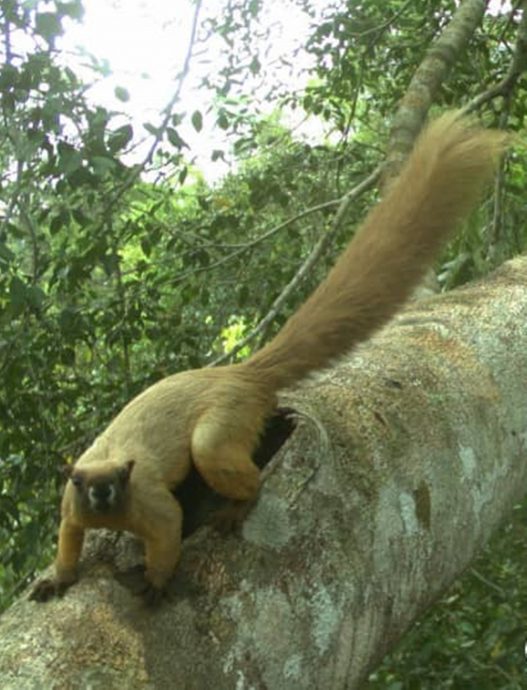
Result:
117,269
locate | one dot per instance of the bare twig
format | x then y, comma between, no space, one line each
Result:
241,248
280,226
136,171
517,67
488,582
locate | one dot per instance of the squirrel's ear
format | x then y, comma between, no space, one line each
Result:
126,471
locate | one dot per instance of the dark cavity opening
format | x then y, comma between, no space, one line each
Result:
199,502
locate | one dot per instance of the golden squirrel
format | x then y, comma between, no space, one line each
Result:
213,417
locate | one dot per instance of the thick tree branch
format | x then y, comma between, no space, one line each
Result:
427,80
404,460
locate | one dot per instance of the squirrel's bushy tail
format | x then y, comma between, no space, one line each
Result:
443,178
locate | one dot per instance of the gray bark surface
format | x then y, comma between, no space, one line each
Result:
405,458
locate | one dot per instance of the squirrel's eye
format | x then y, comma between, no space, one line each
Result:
76,480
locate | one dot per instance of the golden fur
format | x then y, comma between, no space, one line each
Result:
213,417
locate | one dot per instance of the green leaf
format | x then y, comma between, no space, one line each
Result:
120,138
6,255
67,356
59,221
223,120
8,77
17,294
244,145
151,129
175,139
110,263
75,10
146,246
8,102
69,158
243,295
48,25
122,94
255,65
102,165
80,217
197,120
254,7
35,296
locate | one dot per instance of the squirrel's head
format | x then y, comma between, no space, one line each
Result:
101,487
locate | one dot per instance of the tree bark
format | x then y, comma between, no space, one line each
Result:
427,80
405,458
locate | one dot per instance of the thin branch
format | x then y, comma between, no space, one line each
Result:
25,215
249,245
505,89
518,5
499,188
261,238
290,221
517,67
308,265
378,30
138,169
7,42
488,582
267,234
123,305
